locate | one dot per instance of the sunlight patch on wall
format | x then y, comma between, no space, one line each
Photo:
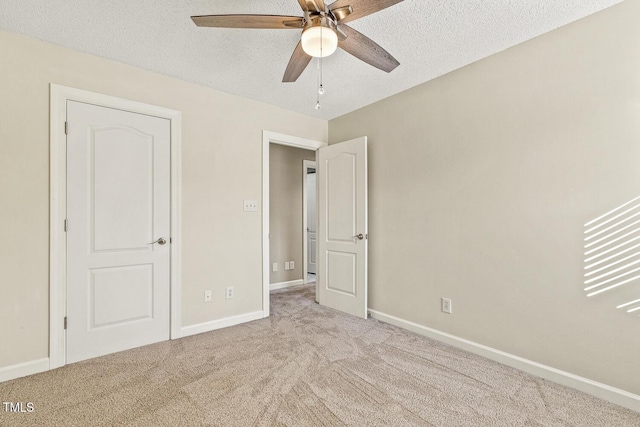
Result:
612,252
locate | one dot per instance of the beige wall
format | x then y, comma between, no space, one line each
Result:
285,209
222,149
481,181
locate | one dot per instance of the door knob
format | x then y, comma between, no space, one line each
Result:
160,241
358,236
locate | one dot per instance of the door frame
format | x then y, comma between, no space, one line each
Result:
306,165
59,95
269,137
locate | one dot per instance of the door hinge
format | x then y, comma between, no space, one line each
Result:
65,322
65,225
66,128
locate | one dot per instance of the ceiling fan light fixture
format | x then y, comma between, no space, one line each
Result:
319,41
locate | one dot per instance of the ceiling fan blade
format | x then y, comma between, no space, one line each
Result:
341,34
298,62
303,4
365,49
247,21
362,7
315,5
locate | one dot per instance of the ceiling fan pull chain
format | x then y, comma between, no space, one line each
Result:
320,87
317,107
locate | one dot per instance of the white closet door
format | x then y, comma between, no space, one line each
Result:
118,203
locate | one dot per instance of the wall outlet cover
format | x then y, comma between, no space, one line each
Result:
250,205
446,305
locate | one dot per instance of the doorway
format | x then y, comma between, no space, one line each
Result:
61,97
269,138
310,220
287,213
342,280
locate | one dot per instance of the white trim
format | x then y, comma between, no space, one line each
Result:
20,370
269,137
59,95
282,285
306,164
585,385
220,323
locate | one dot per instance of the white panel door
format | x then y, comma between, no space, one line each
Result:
342,226
118,202
311,223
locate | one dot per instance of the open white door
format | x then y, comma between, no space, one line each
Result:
342,226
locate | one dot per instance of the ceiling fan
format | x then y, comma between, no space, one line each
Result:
324,29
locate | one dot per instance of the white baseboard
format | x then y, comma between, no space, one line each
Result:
585,385
23,369
283,285
36,366
220,323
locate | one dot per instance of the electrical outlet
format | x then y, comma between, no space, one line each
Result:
291,265
446,305
286,266
229,292
275,266
250,206
207,296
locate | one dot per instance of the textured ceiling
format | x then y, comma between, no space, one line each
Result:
428,37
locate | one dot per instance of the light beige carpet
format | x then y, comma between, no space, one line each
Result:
304,366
